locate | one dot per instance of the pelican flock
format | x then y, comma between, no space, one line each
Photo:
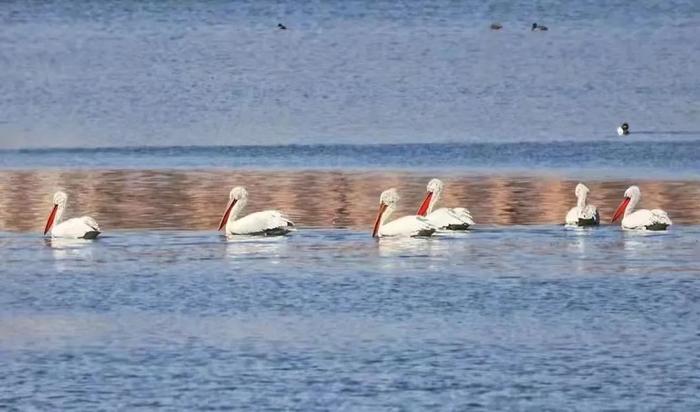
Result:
457,218
411,225
582,214
643,219
77,228
265,223
426,222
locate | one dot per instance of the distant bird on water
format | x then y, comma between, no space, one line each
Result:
496,26
538,27
624,129
281,26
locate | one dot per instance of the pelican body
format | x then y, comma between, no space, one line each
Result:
643,219
582,214
403,226
444,218
265,223
76,228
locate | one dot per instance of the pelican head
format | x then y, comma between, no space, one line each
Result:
632,196
238,196
389,197
387,204
59,203
238,193
435,186
434,190
60,198
633,192
581,190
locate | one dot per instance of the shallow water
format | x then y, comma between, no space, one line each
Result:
535,317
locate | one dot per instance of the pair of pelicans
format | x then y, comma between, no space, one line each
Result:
424,223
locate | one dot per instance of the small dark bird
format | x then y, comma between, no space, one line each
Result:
624,129
538,27
281,26
496,26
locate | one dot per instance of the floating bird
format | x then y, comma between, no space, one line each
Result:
403,226
624,129
538,27
281,26
265,223
643,219
583,214
76,228
457,218
496,26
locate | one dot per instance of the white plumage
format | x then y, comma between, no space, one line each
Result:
83,227
403,226
582,214
265,223
643,219
444,218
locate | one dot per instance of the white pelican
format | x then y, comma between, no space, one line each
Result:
583,214
643,219
403,226
457,218
265,223
77,228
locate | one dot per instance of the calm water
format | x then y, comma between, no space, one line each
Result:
639,156
86,73
356,97
502,318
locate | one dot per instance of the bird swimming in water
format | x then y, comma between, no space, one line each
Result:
538,27
496,26
281,26
624,129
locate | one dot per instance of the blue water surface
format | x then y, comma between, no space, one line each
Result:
503,318
610,158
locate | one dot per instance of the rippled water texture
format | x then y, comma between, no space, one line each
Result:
520,313
91,73
125,199
506,318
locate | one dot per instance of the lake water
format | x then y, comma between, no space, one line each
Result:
519,313
515,317
81,74
162,312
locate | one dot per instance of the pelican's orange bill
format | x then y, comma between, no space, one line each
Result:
423,209
49,221
375,229
620,209
224,218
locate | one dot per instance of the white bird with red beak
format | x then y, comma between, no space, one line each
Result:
77,228
404,226
265,223
457,218
642,219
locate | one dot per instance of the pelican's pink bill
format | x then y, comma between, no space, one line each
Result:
423,209
377,222
224,218
620,209
49,221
